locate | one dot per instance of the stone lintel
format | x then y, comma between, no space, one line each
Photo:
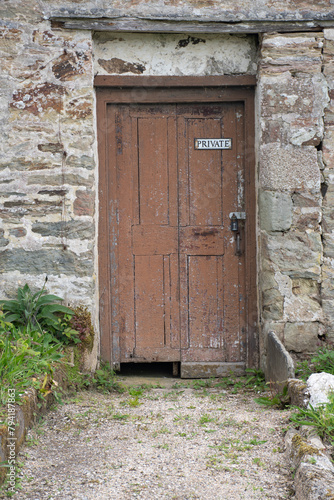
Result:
165,25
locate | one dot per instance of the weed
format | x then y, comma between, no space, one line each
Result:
25,358
133,402
321,418
279,399
200,384
255,442
136,391
256,379
120,416
205,419
257,461
321,361
39,311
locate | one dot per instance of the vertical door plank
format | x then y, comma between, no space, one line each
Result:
240,147
106,124
167,312
149,302
231,260
204,331
183,171
205,203
153,170
124,184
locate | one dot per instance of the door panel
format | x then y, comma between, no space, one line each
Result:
212,288
179,287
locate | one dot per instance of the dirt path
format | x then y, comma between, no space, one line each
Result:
162,443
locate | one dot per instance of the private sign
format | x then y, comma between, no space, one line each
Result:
213,143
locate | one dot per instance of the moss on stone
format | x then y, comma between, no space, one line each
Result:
302,447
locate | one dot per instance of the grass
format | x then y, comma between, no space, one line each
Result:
321,361
320,418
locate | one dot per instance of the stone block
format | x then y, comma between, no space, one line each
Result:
267,280
83,161
304,286
280,366
14,210
49,179
275,210
39,98
71,229
307,200
328,242
320,385
79,109
210,369
295,52
301,337
24,164
306,218
3,241
84,203
272,305
302,308
328,310
328,147
277,328
46,261
18,232
297,254
297,390
327,285
304,96
289,168
71,65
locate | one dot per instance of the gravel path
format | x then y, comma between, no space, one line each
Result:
163,443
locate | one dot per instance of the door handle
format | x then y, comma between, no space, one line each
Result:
238,249
235,217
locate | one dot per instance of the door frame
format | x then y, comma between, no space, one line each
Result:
174,89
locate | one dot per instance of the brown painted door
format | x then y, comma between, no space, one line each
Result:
178,286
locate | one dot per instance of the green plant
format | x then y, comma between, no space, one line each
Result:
321,361
26,357
321,418
277,398
256,379
39,311
205,419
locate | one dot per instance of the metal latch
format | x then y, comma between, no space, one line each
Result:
238,215
235,217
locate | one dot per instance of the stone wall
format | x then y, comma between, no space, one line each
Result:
48,147
295,204
48,161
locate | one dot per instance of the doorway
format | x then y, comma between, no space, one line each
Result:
176,248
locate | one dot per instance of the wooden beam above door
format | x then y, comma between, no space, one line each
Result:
175,81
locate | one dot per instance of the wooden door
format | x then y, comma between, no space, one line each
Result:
178,287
